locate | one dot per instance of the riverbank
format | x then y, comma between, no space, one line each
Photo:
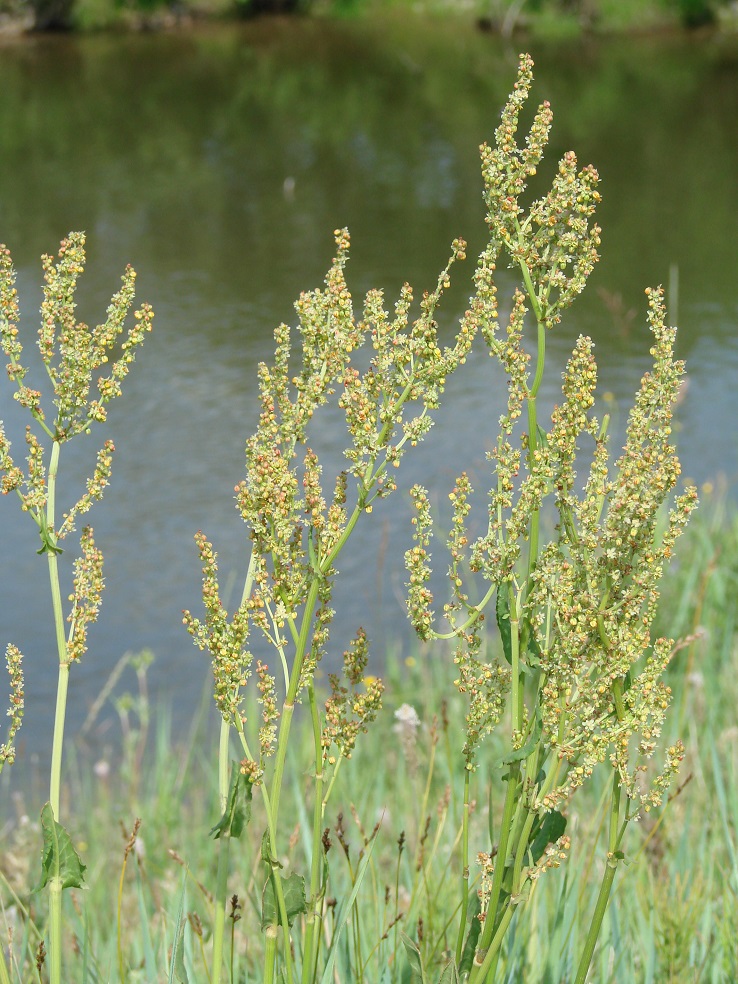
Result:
508,18
673,903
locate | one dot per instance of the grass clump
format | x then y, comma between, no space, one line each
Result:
561,702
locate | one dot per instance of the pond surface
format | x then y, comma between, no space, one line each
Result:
219,162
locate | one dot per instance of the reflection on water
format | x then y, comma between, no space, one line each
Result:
219,163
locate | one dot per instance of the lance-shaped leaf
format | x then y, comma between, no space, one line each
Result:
502,611
552,827
238,807
417,973
293,889
59,859
449,974
475,927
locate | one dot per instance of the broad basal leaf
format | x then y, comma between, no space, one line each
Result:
59,859
293,889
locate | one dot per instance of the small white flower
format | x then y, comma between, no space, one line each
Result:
407,719
101,769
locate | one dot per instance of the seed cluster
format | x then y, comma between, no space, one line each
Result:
350,709
71,352
87,596
385,372
14,662
225,639
575,614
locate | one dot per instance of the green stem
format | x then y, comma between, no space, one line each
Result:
277,883
464,869
61,643
224,845
500,867
608,877
312,936
224,763
272,931
517,690
221,892
55,930
270,955
334,777
537,304
62,687
535,518
476,612
528,281
485,970
55,886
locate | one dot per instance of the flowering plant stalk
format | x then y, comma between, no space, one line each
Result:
71,352
297,537
578,681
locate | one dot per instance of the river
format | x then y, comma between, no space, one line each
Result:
219,160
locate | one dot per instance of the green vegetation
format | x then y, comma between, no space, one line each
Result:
672,917
547,17
489,844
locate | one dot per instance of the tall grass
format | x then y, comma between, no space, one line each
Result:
487,841
675,904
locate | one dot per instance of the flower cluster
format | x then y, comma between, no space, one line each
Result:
583,675
349,709
71,353
14,662
296,531
225,639
596,586
555,245
269,709
87,596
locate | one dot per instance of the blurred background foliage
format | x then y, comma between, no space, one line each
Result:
547,17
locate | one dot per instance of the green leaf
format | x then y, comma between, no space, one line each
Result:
553,826
293,889
530,644
470,946
417,974
238,808
149,968
345,911
49,544
266,852
59,858
177,969
449,974
525,750
502,612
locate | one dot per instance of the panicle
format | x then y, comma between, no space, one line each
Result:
87,597
16,706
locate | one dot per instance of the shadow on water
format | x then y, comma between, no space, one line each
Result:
218,162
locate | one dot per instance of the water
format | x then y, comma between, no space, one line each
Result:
218,163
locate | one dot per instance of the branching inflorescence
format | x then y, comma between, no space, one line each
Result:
578,674
575,682
297,534
579,671
71,353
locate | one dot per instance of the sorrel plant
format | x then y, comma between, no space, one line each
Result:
568,678
579,677
71,352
